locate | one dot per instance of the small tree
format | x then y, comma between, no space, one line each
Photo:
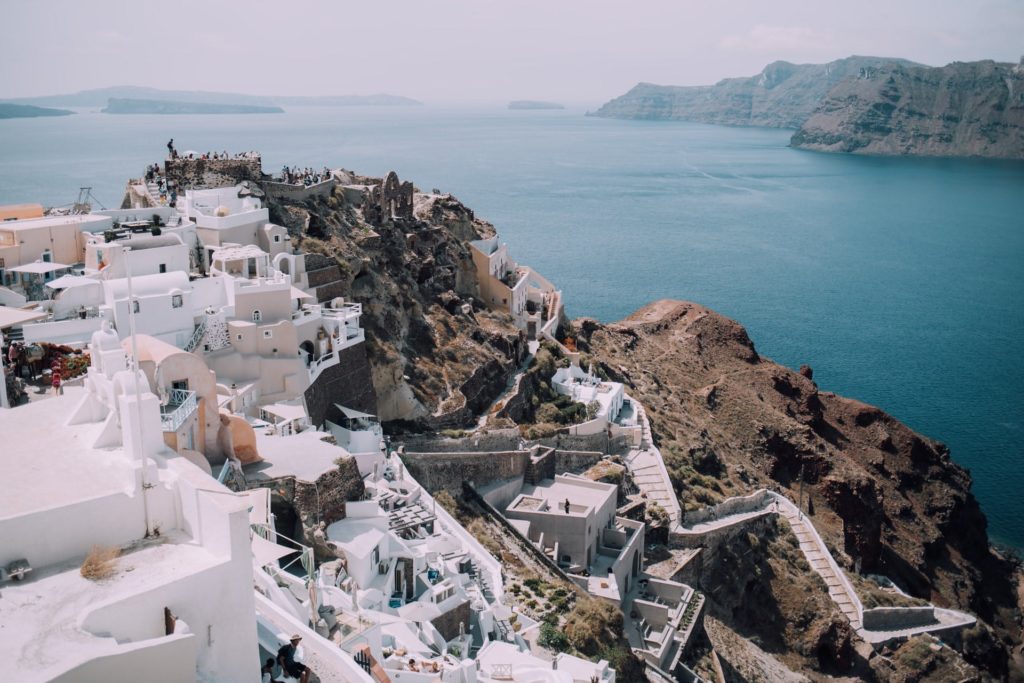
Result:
593,408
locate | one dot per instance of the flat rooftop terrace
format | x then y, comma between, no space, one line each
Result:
305,455
39,616
46,463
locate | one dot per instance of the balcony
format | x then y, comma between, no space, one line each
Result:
181,404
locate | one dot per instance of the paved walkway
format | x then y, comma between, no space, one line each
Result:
648,470
821,560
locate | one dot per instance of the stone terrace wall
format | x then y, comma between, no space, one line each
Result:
576,461
898,618
493,440
593,442
348,383
446,471
297,193
206,173
755,501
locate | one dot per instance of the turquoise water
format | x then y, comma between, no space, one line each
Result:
899,281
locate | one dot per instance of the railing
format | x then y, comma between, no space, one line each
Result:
197,337
181,405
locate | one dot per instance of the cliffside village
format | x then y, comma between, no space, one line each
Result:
188,405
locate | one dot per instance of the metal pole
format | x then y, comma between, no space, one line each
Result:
138,394
800,507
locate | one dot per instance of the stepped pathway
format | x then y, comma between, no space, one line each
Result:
821,561
648,470
840,589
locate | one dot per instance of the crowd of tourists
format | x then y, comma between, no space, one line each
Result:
304,176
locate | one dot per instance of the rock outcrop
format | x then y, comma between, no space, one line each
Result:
783,95
865,105
434,361
962,109
886,499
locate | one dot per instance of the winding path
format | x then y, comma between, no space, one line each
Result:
741,510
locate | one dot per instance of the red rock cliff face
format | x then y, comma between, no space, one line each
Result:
728,422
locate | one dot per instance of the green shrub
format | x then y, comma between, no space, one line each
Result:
552,638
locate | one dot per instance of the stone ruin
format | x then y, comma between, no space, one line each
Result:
389,201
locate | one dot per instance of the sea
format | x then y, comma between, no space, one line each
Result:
898,280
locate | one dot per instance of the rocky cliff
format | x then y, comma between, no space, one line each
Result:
437,358
888,500
962,109
783,95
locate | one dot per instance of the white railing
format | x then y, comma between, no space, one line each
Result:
197,337
181,405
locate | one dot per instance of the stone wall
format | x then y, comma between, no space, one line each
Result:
447,471
755,501
448,623
297,193
898,618
576,461
492,440
324,500
593,442
348,382
206,173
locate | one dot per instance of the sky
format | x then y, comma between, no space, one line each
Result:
572,51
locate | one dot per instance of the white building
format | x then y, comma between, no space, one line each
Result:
229,215
572,520
90,468
533,302
588,388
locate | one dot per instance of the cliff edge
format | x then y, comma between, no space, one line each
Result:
783,95
962,109
888,500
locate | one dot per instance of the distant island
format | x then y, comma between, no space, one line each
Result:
28,111
99,97
865,105
117,105
534,104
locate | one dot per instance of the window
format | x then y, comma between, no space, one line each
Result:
239,336
268,334
135,306
176,301
277,238
163,267
257,316
180,384
375,556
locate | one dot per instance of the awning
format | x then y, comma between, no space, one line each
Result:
259,502
353,414
265,552
68,281
299,294
10,317
39,268
285,411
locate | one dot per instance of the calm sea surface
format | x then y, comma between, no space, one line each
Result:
899,281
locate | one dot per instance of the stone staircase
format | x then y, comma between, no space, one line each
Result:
648,470
817,556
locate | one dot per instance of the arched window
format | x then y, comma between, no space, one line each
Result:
257,316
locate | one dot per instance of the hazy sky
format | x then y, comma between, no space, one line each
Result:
436,50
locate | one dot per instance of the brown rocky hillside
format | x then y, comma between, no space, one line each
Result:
889,500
